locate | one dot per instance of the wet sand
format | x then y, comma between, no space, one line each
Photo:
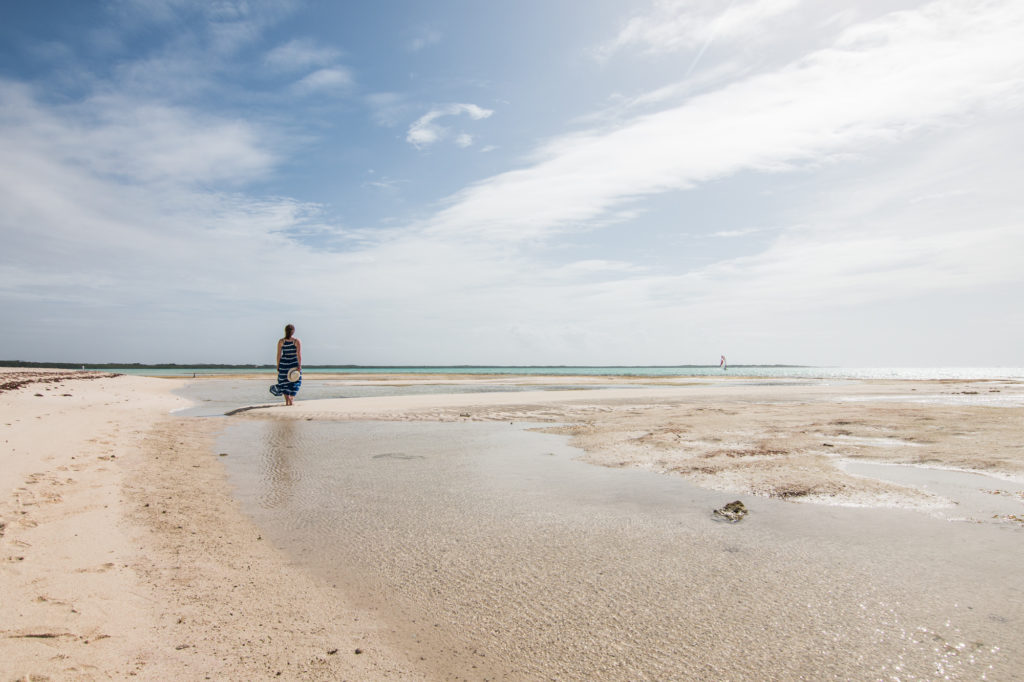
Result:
496,550
775,438
493,554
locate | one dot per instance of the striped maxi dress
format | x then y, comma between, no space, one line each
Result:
289,359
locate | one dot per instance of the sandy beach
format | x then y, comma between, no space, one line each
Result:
125,555
130,551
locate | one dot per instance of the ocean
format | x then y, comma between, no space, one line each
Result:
767,371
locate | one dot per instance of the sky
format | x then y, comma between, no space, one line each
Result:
539,182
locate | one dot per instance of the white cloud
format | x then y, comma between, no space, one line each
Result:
323,72
464,140
325,80
731,234
918,71
683,24
425,131
137,142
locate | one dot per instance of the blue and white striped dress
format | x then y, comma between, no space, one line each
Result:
289,359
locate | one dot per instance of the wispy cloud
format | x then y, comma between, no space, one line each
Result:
674,25
388,108
224,26
321,65
881,82
732,234
425,131
301,54
425,37
325,80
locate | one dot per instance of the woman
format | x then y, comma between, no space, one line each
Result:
289,355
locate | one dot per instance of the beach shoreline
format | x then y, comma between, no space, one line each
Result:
126,553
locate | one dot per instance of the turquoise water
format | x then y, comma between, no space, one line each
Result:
776,371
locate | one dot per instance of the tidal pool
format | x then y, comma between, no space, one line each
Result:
492,553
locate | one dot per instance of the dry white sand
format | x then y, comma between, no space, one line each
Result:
124,555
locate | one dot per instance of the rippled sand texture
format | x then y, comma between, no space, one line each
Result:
779,450
494,554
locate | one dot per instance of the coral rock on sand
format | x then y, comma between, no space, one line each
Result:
734,512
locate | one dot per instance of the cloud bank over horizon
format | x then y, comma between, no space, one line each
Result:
676,183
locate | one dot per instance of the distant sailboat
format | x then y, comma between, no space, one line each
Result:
723,364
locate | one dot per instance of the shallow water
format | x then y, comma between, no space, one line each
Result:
214,397
961,495
493,554
774,371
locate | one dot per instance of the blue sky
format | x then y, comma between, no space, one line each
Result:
571,182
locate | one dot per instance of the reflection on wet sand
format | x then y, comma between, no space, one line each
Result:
277,450
492,553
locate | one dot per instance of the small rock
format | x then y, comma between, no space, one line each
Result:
359,651
332,652
732,512
223,454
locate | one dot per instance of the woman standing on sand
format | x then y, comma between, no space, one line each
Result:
289,357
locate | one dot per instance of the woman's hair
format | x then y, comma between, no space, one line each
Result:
289,329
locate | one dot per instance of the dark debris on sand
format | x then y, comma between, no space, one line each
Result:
15,380
733,512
